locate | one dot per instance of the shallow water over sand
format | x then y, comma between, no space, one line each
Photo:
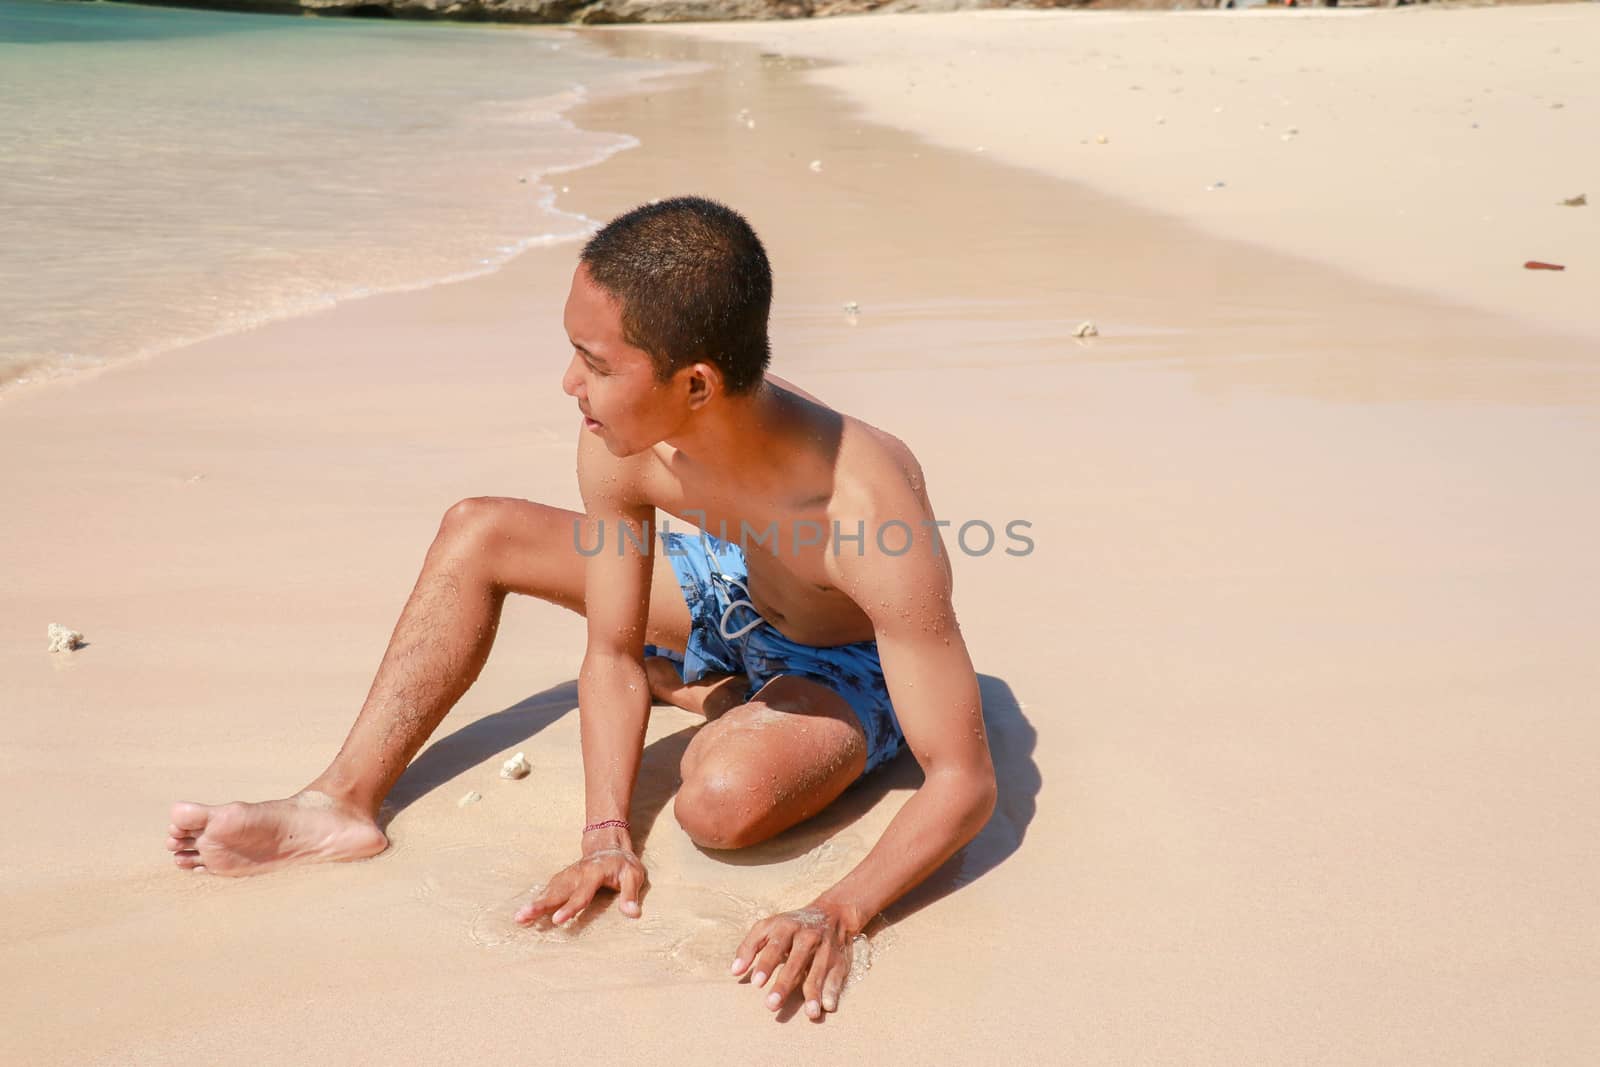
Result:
167,175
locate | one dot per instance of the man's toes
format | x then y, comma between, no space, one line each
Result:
187,860
188,819
180,844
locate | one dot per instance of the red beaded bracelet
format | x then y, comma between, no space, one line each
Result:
603,823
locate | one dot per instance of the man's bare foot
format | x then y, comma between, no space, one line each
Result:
710,696
240,839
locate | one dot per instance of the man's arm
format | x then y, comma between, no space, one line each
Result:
935,694
934,690
613,694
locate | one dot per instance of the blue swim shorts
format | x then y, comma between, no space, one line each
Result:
728,636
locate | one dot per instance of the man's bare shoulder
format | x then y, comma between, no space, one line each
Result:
873,470
902,570
877,475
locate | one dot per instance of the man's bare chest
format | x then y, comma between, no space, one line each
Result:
787,536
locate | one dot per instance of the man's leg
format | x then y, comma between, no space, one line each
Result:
486,547
769,764
710,696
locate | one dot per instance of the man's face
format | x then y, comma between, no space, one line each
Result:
614,382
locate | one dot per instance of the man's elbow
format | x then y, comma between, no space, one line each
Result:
974,793
986,794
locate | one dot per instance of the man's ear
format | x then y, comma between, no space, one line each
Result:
705,382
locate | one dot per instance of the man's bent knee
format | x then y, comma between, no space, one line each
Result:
720,808
493,531
470,518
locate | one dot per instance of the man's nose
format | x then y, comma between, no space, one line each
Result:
571,380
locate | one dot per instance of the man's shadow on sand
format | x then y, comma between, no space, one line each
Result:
1011,745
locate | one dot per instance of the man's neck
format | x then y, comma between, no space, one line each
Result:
737,440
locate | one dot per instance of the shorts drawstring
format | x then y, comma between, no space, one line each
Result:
722,624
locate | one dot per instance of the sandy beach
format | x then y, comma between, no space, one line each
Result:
1291,705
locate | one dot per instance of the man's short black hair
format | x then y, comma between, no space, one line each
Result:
694,285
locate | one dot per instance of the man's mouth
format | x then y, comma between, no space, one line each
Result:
589,421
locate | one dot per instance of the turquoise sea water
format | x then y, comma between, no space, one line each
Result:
166,175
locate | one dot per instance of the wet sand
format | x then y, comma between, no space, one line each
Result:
1289,703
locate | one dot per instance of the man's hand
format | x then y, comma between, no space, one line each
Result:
574,888
813,947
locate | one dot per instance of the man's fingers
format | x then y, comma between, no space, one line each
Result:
745,954
811,989
579,900
632,881
541,904
534,911
833,984
794,968
771,955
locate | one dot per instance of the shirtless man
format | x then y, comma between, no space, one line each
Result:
814,630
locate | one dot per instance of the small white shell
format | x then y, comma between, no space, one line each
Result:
852,308
1086,329
516,767
63,639
816,166
472,797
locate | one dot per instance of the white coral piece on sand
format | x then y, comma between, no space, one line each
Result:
472,797
816,166
63,639
516,767
1086,329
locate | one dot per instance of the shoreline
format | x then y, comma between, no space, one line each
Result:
545,120
43,376
1283,704
838,61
